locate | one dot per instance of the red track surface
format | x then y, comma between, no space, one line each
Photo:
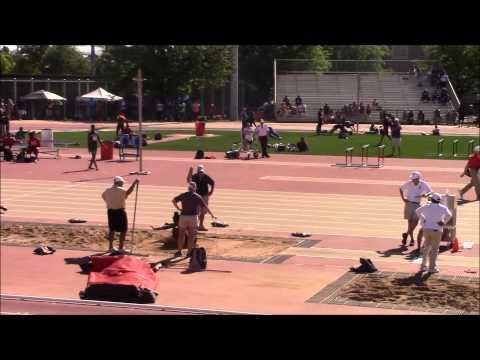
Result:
232,286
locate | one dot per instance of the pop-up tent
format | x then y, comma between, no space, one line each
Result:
43,95
100,94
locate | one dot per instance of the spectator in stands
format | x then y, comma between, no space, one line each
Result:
444,97
425,96
326,110
319,121
298,101
404,116
286,100
20,134
437,117
443,81
435,95
375,105
436,130
368,111
302,145
396,136
420,117
410,117
33,145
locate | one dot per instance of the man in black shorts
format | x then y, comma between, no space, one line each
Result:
115,197
187,224
202,180
386,120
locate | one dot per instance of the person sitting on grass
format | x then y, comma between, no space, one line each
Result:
436,131
33,145
345,129
372,129
302,145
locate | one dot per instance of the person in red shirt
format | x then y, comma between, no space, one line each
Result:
121,123
33,145
472,169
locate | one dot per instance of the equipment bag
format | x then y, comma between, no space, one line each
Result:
199,154
198,259
232,154
158,136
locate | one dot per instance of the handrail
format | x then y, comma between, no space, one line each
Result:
453,95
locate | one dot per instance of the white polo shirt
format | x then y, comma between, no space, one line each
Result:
431,213
414,193
261,130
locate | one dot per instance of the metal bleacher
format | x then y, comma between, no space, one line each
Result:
394,92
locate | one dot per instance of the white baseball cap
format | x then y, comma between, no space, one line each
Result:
201,168
415,175
436,197
118,179
476,148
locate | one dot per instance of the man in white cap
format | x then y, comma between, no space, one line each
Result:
262,132
203,181
415,189
114,198
187,224
472,169
433,216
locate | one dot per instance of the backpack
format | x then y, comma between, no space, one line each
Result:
199,154
233,154
198,259
158,136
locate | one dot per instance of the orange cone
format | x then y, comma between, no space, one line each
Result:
455,246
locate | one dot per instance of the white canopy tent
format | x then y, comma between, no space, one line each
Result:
43,95
100,94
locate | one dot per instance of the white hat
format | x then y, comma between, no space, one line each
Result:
476,148
436,197
200,168
118,179
415,175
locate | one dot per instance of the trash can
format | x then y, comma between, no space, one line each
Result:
199,128
106,151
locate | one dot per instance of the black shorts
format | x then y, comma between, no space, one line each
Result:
117,220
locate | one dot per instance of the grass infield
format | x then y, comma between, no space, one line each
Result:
412,146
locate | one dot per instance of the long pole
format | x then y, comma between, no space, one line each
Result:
134,217
140,114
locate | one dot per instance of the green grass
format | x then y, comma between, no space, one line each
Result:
413,146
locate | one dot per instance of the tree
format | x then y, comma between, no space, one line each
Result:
462,64
28,59
256,66
7,62
358,52
64,60
170,69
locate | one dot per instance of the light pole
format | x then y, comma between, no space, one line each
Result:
139,79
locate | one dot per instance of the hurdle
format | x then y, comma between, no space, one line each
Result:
440,148
380,157
470,146
348,158
364,149
455,148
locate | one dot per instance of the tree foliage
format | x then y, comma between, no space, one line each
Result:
7,62
462,64
170,69
358,52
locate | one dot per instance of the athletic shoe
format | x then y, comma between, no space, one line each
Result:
423,268
412,243
202,228
404,238
434,271
178,254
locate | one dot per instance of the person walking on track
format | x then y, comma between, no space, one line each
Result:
187,224
415,189
115,198
385,119
472,169
203,181
262,132
433,216
92,141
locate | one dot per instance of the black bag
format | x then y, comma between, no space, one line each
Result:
365,267
158,136
198,259
199,154
7,155
232,154
281,147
